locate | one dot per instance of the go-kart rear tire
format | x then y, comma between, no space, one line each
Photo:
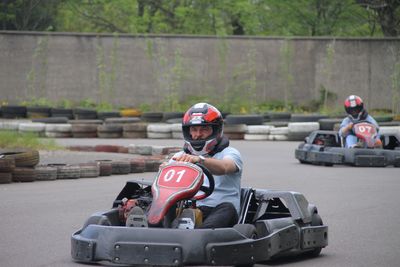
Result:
315,221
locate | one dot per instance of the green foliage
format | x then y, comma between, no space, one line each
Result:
209,17
87,103
64,103
226,17
37,102
11,139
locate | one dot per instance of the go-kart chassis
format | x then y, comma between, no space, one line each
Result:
309,152
225,246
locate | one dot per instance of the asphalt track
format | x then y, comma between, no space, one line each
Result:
360,205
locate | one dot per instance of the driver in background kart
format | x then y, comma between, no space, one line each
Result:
202,127
354,107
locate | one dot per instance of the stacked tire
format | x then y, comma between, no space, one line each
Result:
7,166
24,161
134,130
62,130
159,131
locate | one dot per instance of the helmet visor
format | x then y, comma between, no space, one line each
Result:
354,111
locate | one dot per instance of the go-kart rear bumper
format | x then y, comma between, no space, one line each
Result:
176,247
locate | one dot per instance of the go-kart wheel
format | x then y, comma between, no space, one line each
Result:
315,221
207,190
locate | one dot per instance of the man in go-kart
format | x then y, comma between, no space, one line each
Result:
205,144
354,107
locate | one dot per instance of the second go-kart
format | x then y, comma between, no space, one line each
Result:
327,148
157,224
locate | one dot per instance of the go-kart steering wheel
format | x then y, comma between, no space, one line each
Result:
207,190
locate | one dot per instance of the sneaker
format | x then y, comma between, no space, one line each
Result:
186,220
136,218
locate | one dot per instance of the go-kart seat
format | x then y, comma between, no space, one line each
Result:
246,194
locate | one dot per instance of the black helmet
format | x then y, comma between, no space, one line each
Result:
202,114
354,106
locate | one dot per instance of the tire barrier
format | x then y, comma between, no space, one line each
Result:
279,134
130,112
152,116
121,121
5,177
84,114
300,130
107,148
159,131
62,112
235,131
45,173
57,120
84,130
120,167
24,174
89,170
7,165
169,116
244,119
62,130
328,124
22,157
10,125
278,116
152,164
13,112
95,121
135,130
107,115
109,131
140,149
28,170
36,128
38,112
257,132
176,131
104,167
66,171
307,117
383,118
137,165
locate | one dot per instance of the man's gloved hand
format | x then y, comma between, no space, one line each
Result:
348,128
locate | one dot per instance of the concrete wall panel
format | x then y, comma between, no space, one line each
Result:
132,70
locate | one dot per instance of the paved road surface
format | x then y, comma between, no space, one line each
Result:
360,205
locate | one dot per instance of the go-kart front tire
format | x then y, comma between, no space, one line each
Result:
315,221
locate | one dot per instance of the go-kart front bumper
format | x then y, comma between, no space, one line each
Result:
178,247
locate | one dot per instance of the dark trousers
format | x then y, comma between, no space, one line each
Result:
223,215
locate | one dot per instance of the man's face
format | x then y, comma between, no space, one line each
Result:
201,132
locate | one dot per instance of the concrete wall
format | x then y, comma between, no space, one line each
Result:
131,70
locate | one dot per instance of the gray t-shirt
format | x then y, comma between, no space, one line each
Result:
227,187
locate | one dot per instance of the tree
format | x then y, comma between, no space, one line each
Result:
316,18
386,13
28,15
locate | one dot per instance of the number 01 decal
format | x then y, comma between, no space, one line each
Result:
173,175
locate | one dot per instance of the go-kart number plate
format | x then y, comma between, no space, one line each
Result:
178,176
365,129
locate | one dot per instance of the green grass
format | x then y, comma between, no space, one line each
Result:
12,139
